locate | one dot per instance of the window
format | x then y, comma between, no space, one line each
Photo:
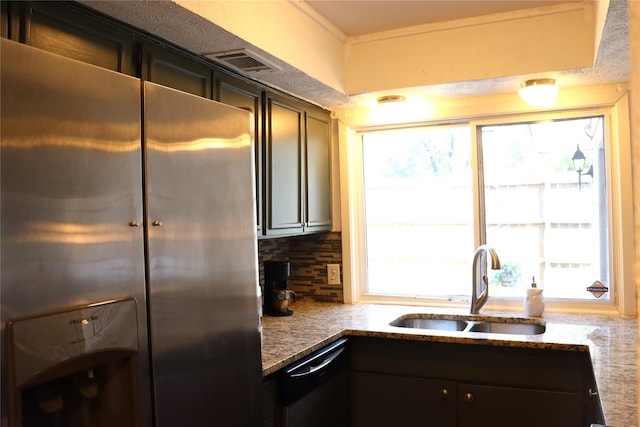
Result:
431,194
545,218
419,211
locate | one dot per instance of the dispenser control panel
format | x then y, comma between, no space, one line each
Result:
42,341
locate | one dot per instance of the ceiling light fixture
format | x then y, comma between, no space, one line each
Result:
391,98
539,92
395,108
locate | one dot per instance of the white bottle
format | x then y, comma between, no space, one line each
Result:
533,301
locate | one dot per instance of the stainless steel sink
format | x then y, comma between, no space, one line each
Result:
473,323
508,328
430,323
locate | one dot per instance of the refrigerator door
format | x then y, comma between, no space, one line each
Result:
71,186
202,255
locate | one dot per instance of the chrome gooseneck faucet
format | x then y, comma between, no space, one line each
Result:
480,290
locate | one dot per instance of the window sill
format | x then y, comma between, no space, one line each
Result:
497,304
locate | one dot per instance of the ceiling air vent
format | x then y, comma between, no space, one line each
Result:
243,60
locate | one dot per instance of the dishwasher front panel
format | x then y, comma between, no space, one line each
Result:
314,392
325,406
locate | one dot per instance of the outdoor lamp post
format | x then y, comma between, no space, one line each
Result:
578,165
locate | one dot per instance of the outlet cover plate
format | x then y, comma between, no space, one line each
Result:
333,274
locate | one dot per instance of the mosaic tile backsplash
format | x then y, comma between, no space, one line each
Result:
309,256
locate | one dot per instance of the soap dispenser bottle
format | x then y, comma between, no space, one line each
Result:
533,301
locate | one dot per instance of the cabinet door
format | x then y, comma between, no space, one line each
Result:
68,30
176,70
284,174
269,403
318,194
4,20
481,405
379,400
248,96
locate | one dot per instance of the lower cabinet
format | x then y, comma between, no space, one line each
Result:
270,403
484,405
413,383
379,400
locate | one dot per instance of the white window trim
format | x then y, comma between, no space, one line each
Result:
619,181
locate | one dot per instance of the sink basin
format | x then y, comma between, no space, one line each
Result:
472,323
429,323
508,328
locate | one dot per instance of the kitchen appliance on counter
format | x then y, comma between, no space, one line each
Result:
277,296
115,189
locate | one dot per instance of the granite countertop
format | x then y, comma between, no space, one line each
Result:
611,342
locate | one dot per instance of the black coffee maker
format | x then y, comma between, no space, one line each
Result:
277,297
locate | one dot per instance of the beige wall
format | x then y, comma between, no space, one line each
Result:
450,51
634,48
458,50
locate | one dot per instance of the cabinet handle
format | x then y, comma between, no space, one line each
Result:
157,223
468,397
444,392
592,392
134,224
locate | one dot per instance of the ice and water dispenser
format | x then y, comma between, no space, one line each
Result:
75,368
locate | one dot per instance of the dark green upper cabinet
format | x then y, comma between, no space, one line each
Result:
65,29
246,95
297,167
292,137
176,70
4,19
318,174
284,175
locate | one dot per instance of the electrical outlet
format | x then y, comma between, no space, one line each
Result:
333,274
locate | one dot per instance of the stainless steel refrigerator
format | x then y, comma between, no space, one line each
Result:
115,189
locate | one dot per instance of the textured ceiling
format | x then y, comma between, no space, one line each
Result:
359,18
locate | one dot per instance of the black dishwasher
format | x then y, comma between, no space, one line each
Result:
314,392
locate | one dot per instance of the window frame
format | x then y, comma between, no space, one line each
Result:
620,219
